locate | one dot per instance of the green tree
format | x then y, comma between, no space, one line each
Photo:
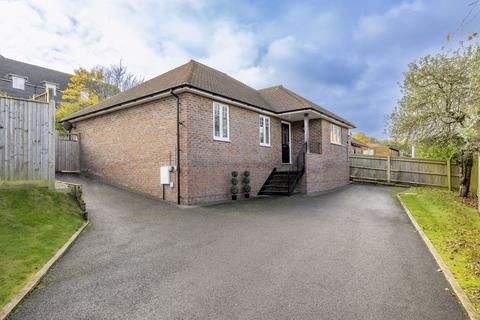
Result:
439,104
88,87
362,137
82,91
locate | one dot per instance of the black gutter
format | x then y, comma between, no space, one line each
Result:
178,144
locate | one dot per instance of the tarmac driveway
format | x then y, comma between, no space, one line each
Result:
348,254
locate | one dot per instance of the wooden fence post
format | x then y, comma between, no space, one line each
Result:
51,143
449,174
389,169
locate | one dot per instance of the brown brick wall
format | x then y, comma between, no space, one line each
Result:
128,147
210,162
329,169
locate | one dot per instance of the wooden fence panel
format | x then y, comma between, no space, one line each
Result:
368,168
406,171
67,153
421,172
27,150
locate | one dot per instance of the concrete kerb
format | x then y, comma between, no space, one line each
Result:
461,295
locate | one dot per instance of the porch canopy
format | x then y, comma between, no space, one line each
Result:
306,115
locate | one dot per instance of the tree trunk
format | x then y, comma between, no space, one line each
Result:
467,164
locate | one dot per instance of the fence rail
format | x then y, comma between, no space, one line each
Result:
409,171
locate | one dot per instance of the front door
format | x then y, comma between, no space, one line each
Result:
285,142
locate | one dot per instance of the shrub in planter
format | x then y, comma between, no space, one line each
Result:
246,190
234,187
246,184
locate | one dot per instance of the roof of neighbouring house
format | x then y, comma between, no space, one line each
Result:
357,143
34,74
379,145
199,76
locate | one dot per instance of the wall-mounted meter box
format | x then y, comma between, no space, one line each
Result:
165,174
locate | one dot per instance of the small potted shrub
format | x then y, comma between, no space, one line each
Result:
234,187
246,184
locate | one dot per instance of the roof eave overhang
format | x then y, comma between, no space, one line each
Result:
313,114
298,115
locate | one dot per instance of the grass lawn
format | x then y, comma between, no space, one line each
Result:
34,224
454,230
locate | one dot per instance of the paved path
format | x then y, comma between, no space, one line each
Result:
349,254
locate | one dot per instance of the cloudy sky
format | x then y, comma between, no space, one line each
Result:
345,55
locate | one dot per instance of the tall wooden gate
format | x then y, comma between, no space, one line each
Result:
67,152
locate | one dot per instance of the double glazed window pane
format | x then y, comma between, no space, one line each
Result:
217,121
336,134
224,122
264,131
220,121
267,131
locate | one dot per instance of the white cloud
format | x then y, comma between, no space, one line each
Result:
150,37
375,25
231,48
328,52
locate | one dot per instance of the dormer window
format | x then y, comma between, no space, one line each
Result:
18,83
51,86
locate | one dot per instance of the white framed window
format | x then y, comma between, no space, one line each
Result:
264,131
18,83
335,134
368,152
221,122
51,86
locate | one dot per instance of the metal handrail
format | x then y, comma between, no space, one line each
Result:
300,166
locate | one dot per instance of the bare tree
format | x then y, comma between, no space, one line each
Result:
116,78
118,75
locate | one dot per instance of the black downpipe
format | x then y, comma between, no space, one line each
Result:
178,145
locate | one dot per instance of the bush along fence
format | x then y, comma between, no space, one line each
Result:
408,171
27,142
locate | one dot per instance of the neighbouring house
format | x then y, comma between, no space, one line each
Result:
23,80
377,149
179,136
356,146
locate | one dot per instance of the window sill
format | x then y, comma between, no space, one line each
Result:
221,140
266,145
335,143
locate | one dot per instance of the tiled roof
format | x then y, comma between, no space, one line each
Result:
283,100
200,76
356,142
35,74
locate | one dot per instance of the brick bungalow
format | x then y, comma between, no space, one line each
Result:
214,125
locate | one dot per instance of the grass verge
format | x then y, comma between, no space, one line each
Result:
454,230
34,224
